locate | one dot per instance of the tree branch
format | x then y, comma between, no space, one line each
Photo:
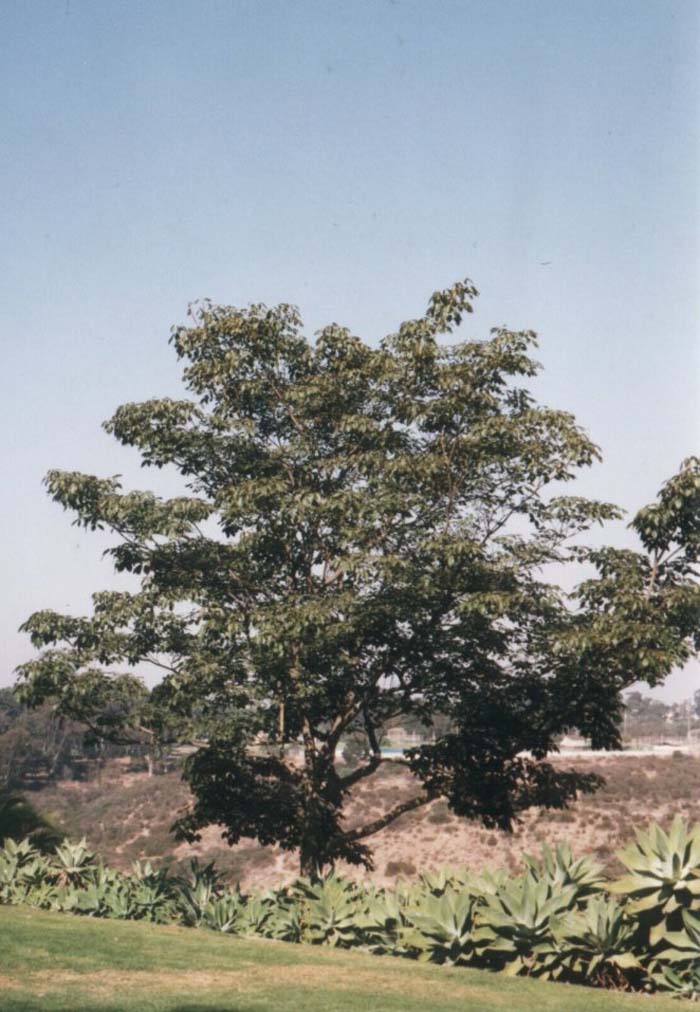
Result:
373,827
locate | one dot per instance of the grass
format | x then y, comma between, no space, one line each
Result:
60,963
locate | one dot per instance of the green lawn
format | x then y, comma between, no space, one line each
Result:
63,963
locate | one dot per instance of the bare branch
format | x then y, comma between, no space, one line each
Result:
373,827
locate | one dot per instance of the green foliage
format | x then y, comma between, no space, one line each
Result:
681,983
286,921
22,870
518,922
330,907
381,920
363,539
198,890
442,929
560,870
76,863
224,912
682,946
439,882
663,879
597,943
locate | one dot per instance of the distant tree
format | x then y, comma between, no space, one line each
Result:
34,743
644,715
363,540
640,707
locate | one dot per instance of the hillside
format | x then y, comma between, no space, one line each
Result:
57,962
127,816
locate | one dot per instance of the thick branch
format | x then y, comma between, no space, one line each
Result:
371,733
350,779
374,827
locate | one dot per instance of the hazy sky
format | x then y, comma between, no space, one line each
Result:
349,157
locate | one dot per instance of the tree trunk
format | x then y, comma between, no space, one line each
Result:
314,842
317,831
309,864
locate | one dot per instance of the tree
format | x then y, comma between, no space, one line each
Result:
644,715
35,744
363,539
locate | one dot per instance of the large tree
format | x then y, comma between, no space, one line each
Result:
369,532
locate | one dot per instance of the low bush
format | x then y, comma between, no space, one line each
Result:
560,918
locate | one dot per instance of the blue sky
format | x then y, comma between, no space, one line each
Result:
350,158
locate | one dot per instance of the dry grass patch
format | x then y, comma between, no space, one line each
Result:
128,816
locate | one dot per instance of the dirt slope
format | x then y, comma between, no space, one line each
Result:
128,816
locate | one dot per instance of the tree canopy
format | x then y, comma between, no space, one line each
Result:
369,532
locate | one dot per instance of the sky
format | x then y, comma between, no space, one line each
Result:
350,158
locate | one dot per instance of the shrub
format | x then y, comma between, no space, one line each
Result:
395,868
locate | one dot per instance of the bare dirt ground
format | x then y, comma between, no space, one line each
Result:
128,816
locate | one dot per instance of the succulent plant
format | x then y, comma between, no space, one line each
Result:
381,919
559,867
197,890
518,923
331,906
682,983
442,928
678,947
224,913
439,882
75,863
554,920
597,943
663,877
285,923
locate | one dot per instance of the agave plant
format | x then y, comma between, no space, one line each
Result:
37,871
682,983
195,892
663,877
118,902
439,882
518,922
380,921
596,944
559,867
256,914
152,898
224,913
93,900
22,869
75,863
17,853
680,947
286,920
488,883
442,928
44,895
153,892
330,909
